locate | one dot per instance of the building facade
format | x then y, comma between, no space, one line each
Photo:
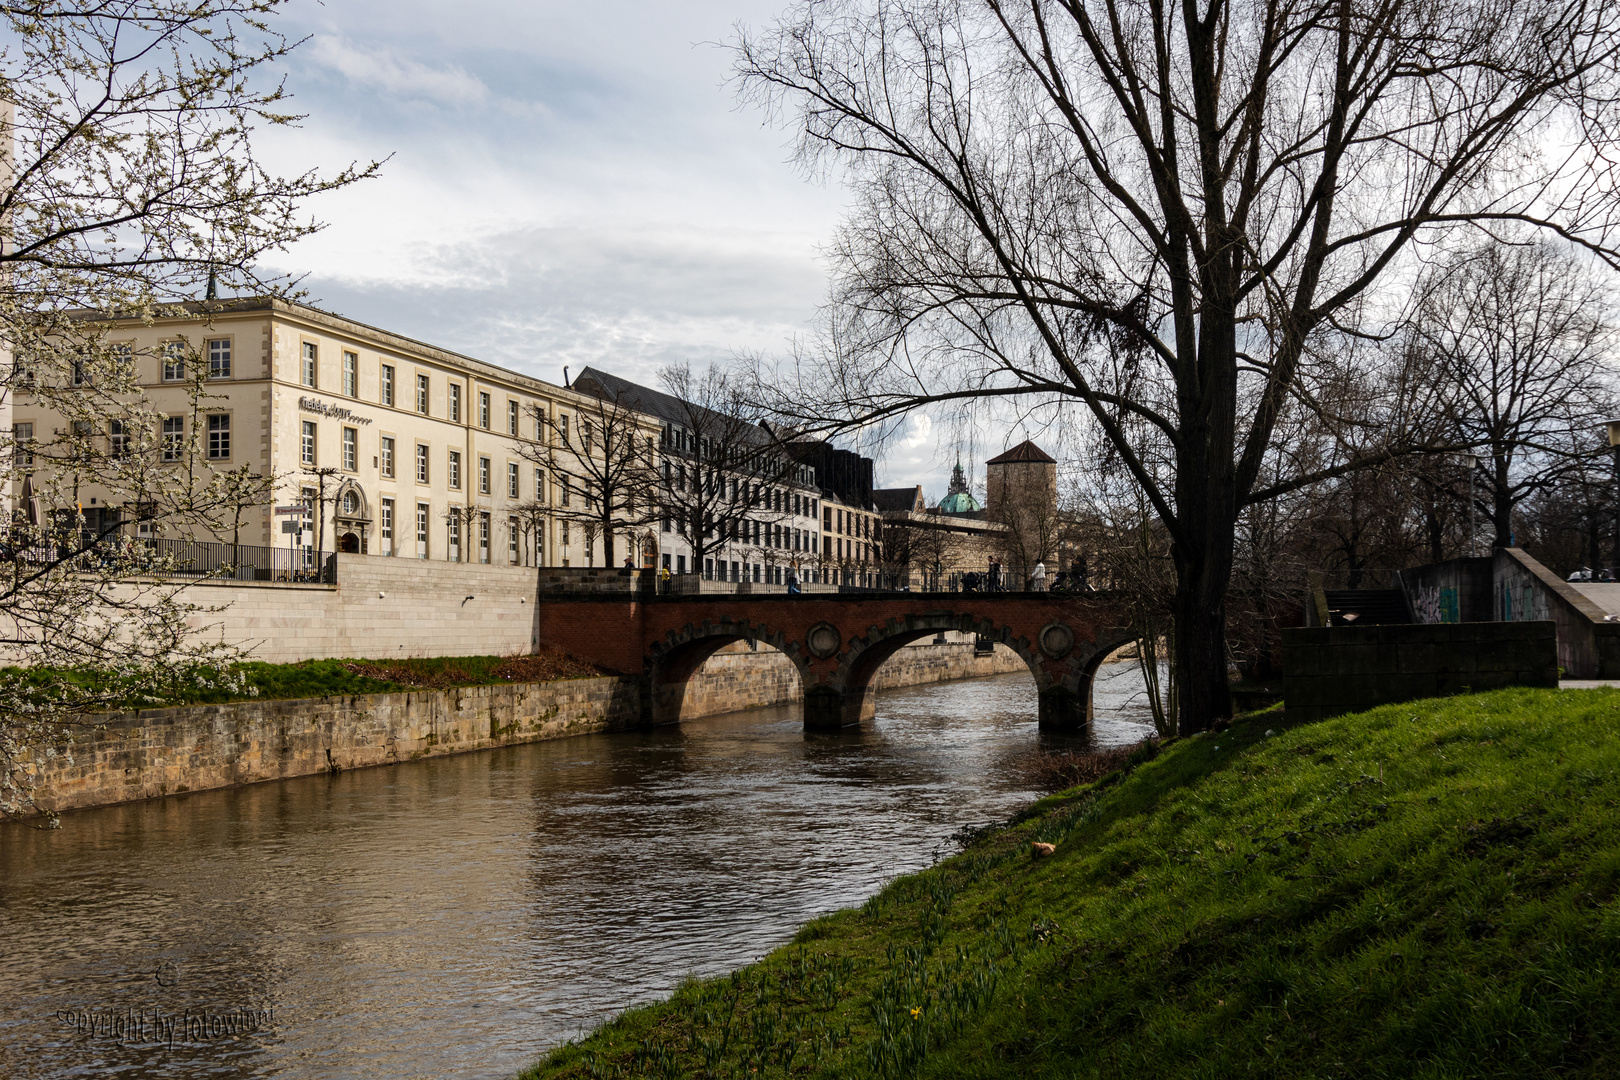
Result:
394,447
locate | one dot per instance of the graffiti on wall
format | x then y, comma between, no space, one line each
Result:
1435,604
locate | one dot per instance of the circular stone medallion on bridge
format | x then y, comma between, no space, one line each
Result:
823,639
1056,640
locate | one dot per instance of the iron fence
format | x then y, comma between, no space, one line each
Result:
154,557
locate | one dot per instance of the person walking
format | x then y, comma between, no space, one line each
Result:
995,576
1038,578
663,580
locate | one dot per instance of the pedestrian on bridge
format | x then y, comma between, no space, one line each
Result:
1037,580
995,576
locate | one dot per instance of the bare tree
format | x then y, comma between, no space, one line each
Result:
604,454
723,472
1164,211
1519,333
128,179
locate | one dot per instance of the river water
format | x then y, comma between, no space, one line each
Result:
455,917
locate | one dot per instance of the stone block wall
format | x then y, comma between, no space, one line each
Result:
194,748
1333,670
737,677
380,607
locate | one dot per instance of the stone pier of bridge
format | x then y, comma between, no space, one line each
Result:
837,641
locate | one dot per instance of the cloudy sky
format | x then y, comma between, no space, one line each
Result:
569,184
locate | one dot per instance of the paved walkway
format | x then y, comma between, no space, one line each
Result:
1605,595
1586,684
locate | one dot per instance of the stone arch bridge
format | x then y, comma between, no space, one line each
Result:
837,641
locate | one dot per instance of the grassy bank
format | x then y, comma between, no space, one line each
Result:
331,678
1424,890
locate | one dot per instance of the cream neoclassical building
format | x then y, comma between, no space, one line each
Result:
403,448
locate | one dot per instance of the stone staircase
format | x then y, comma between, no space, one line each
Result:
1367,607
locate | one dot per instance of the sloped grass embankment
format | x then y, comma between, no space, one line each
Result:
1424,890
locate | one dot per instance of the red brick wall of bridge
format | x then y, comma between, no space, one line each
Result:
622,634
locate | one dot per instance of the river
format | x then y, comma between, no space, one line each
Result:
457,916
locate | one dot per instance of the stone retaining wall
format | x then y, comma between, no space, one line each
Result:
159,752
737,677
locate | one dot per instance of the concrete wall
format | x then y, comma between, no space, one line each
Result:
1333,670
1588,643
380,607
1454,591
166,751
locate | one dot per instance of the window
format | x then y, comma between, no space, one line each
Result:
219,358
118,438
350,436
483,476
512,540
454,390
421,464
562,426
387,381
453,534
421,530
511,481
174,437
585,435
351,375
309,363
387,456
422,394
23,436
81,373
483,411
385,525
540,485
453,472
567,491
219,436
512,418
174,361
483,537
306,445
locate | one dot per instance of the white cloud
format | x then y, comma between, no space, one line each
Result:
380,69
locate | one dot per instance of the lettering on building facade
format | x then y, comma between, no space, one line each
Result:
336,412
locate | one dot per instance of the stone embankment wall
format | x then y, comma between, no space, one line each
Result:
159,752
738,677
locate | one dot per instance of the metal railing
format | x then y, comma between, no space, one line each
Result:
141,556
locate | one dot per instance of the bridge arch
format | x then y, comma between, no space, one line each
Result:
674,659
1062,664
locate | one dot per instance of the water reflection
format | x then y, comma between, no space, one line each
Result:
457,916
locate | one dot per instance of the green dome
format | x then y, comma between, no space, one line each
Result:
958,502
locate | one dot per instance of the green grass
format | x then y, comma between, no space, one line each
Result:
314,678
1424,890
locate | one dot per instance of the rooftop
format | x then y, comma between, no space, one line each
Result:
1024,451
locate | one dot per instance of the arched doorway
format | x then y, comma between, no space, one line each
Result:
351,518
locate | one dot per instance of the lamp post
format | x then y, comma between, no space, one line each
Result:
1470,461
1614,446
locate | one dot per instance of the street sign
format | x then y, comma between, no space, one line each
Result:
299,509
292,527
